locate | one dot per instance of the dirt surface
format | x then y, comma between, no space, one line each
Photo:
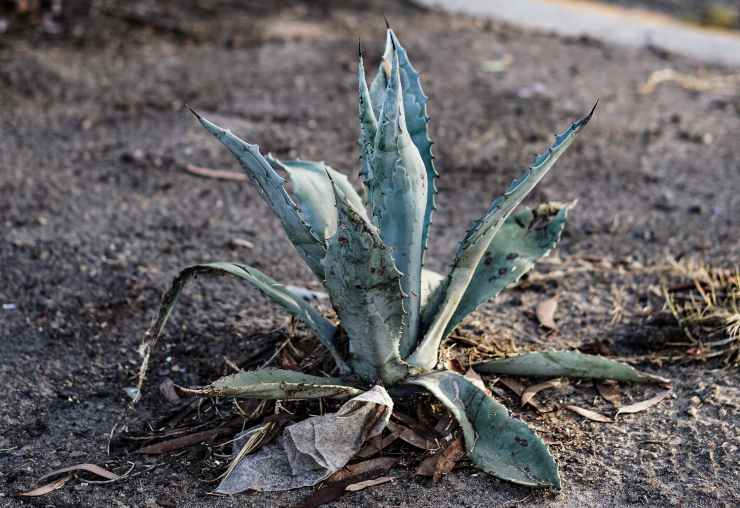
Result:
97,215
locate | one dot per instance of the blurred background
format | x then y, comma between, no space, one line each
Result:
89,20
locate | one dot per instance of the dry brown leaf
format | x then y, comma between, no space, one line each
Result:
369,483
46,489
546,313
379,465
644,404
427,466
376,445
219,174
90,468
591,415
411,436
475,378
533,390
448,458
518,388
609,391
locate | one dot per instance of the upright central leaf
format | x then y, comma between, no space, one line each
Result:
397,196
365,290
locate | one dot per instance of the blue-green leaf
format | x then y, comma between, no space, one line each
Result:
368,123
397,196
566,364
415,110
313,191
477,240
275,384
496,443
525,237
365,289
271,186
272,289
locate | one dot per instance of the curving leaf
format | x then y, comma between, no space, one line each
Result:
365,290
272,289
566,364
525,237
496,443
473,247
275,384
271,186
314,193
397,195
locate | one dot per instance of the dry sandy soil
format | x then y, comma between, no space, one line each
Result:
97,215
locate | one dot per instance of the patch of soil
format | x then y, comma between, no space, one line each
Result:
98,215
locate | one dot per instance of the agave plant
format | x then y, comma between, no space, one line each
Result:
393,314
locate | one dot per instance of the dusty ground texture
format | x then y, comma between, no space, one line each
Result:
97,215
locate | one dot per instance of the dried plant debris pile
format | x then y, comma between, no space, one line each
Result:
393,315
706,305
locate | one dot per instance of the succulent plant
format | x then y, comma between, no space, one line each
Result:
393,313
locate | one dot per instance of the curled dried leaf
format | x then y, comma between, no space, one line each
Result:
609,391
591,415
46,489
354,487
644,404
546,313
529,393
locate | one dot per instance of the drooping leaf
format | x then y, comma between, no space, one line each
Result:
565,364
496,443
477,240
275,384
397,196
365,290
313,191
271,186
269,287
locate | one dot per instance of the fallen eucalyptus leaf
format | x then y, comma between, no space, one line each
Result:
591,415
380,464
644,404
46,489
310,451
412,437
609,391
533,390
546,313
448,459
90,468
369,483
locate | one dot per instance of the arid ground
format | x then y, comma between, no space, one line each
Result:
97,215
